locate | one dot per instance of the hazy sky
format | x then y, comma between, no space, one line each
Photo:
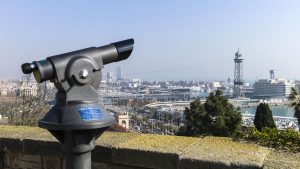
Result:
189,40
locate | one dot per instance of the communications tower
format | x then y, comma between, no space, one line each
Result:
238,75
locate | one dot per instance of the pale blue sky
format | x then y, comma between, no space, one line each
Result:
188,40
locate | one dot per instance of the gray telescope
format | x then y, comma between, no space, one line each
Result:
77,119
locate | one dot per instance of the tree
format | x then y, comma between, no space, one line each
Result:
28,112
155,115
263,117
215,117
177,118
294,99
168,116
196,119
181,131
224,119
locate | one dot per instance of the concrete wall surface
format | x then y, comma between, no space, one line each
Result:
34,148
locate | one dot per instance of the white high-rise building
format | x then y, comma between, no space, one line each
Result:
216,84
272,88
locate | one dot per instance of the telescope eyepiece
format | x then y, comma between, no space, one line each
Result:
28,68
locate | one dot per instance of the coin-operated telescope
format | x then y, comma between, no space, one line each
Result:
77,119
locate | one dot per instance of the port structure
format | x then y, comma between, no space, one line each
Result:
272,74
238,75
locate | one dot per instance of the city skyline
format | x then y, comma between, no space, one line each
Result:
173,40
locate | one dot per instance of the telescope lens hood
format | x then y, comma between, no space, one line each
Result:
124,48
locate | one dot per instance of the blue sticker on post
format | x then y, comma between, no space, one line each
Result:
90,113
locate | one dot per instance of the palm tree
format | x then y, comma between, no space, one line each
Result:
294,99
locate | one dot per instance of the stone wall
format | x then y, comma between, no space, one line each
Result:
34,148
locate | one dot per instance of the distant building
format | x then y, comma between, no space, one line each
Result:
3,92
215,85
182,94
272,88
109,77
28,92
119,73
27,89
248,91
297,86
123,120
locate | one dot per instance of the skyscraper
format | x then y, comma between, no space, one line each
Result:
109,76
119,73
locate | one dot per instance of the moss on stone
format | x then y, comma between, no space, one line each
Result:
157,151
20,132
110,139
160,143
225,153
282,160
151,151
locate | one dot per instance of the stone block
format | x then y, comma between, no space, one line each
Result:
110,139
30,158
102,154
99,165
28,165
282,160
10,159
115,166
145,159
220,152
38,146
106,142
1,159
151,151
33,148
52,162
13,145
26,161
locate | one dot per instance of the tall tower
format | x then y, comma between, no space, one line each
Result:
238,74
272,74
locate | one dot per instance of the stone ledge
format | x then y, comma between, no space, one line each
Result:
222,153
282,160
131,150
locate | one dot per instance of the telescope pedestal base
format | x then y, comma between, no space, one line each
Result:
77,146
77,160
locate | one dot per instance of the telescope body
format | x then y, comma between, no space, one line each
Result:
77,119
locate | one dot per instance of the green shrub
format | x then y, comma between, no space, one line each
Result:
263,117
288,139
